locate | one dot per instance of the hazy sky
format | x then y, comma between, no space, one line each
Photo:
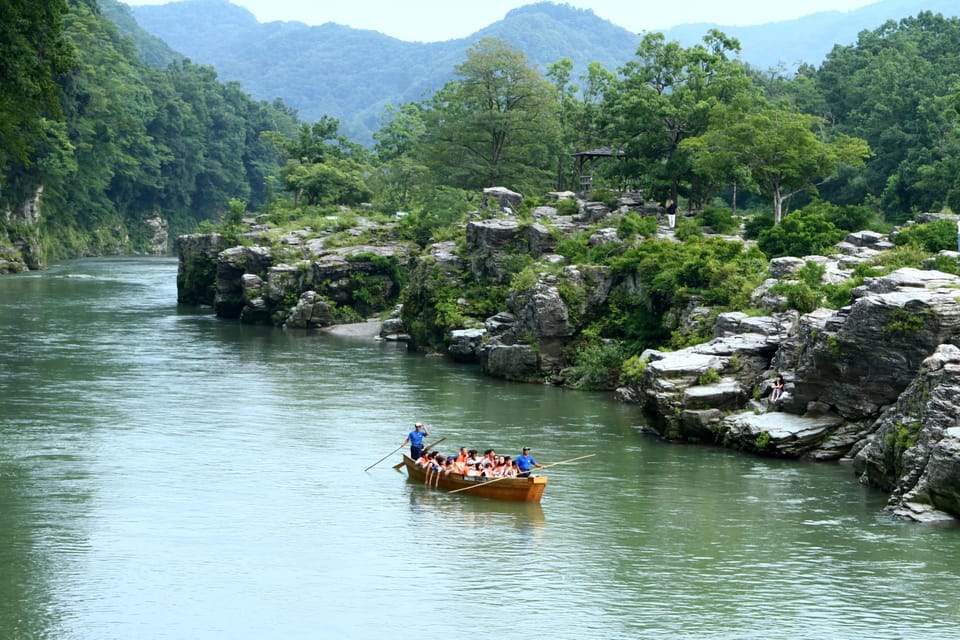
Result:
431,20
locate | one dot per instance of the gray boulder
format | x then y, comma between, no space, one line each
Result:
464,344
501,199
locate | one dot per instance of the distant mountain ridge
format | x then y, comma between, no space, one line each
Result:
352,74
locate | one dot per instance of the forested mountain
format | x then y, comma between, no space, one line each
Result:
122,150
352,74
98,149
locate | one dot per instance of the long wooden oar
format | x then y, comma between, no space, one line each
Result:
385,457
546,466
426,450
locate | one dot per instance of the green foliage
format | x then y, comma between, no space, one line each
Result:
800,295
568,207
137,141
833,346
493,125
439,217
710,376
595,365
801,233
896,88
847,218
763,441
667,275
839,295
904,323
720,220
631,371
34,53
607,196
687,229
906,255
633,224
902,437
756,224
932,237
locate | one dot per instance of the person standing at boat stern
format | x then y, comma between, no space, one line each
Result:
415,438
525,463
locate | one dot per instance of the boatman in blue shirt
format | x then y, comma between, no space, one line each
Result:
525,462
415,438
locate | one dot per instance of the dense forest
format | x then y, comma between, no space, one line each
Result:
108,142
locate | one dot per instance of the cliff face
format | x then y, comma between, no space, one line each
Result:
294,282
20,247
874,383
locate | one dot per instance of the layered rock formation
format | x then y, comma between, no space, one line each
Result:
874,382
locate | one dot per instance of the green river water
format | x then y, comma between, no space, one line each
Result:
164,474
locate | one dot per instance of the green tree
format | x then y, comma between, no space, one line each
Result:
34,52
664,97
495,124
885,89
324,166
782,151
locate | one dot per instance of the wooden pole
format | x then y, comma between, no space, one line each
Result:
546,466
385,457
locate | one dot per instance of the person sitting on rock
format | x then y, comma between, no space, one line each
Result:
777,392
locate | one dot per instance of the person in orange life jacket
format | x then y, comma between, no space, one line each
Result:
415,438
525,463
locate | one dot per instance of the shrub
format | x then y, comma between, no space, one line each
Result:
631,371
596,365
568,207
935,236
802,233
719,219
708,377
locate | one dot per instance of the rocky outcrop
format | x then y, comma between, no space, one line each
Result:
914,448
21,247
465,344
501,199
197,267
494,246
541,322
261,285
157,235
859,359
860,383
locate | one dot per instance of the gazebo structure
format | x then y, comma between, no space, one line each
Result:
586,160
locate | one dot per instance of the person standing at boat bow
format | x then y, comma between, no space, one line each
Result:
525,462
415,438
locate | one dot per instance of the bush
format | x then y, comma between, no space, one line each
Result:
596,366
935,236
568,207
757,224
801,233
633,223
719,219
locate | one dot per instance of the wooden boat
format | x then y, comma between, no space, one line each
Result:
516,489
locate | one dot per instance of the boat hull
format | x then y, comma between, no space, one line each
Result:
514,489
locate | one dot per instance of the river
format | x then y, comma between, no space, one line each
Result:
165,474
